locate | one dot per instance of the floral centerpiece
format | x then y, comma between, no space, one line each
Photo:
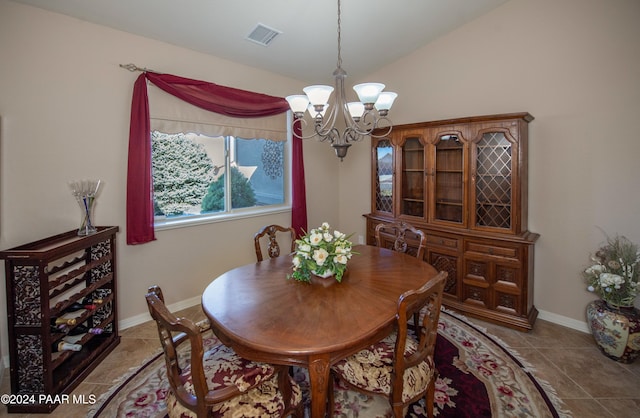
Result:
322,253
614,275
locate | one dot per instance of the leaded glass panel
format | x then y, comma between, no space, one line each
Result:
493,181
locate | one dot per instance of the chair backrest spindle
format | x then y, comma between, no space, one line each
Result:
272,232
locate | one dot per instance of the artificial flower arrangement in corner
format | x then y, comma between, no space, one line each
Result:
322,253
615,274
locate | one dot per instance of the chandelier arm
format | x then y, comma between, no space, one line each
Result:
303,125
389,127
351,135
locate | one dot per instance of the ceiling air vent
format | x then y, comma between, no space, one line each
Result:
263,35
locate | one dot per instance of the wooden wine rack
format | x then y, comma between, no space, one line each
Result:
43,279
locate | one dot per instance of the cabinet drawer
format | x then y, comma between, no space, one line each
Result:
440,241
492,250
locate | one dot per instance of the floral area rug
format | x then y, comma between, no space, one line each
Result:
479,377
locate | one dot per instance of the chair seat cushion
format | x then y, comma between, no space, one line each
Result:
370,369
262,401
258,383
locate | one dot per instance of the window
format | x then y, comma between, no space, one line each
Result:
191,185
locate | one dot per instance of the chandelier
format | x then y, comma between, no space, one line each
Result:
359,118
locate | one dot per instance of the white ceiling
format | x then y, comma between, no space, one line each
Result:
374,32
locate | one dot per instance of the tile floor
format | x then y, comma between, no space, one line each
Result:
590,384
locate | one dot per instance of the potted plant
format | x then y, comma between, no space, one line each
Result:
613,320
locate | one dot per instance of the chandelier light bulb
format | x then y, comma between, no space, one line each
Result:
356,110
368,92
318,94
385,101
298,103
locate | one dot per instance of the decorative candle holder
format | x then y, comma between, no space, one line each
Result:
85,193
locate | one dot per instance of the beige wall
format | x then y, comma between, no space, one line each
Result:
575,66
65,103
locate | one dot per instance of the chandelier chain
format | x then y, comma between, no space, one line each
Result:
339,36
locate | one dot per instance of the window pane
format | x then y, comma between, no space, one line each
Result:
182,172
261,164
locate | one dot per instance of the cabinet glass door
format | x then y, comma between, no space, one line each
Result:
383,181
493,181
448,185
413,177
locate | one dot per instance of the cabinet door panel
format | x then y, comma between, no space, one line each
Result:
448,170
449,263
476,295
383,156
494,174
508,303
508,278
412,179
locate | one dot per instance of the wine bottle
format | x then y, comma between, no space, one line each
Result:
92,301
79,306
65,346
63,321
60,328
83,329
73,339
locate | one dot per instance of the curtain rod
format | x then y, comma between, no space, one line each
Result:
133,67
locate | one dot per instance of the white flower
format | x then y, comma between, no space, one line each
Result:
327,237
340,258
591,289
339,235
315,238
305,248
296,262
595,269
320,256
610,279
325,226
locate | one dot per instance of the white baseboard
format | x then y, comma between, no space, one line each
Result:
564,321
174,307
178,306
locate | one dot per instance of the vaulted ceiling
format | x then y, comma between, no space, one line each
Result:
374,33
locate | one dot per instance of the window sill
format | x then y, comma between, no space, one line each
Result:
184,222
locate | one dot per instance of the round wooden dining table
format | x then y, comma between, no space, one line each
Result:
266,317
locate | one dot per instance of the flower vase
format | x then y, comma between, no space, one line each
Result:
616,330
85,193
86,207
325,279
324,275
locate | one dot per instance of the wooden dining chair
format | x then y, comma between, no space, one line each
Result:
401,366
401,237
272,232
217,382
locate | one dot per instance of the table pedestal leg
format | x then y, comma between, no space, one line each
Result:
319,382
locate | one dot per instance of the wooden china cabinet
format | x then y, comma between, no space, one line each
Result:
464,183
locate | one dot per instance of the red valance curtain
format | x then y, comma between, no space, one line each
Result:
212,97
